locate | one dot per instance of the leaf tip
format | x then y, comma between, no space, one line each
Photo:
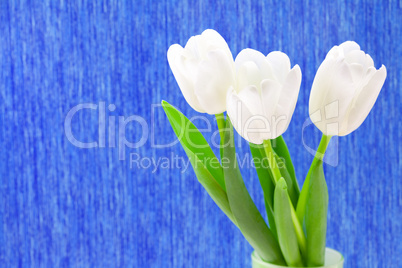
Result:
282,184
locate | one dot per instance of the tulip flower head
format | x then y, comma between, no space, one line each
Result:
344,90
204,70
263,101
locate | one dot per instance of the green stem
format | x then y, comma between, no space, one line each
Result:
301,204
276,173
301,238
220,119
322,147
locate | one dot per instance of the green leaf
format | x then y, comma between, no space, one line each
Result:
282,151
266,168
210,185
271,219
316,217
248,218
263,171
206,166
191,138
293,193
302,202
286,232
266,181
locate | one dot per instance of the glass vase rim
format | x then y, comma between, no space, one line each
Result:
256,258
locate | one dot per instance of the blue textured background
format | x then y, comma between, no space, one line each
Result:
65,206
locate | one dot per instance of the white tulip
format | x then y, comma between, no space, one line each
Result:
263,101
204,70
345,89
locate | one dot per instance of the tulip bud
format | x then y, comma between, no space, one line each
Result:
344,90
263,103
204,70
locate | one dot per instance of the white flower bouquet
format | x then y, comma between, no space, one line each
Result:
259,95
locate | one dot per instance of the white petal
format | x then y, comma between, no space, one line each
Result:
357,71
252,99
270,93
333,85
214,39
215,76
365,80
249,54
184,75
287,100
243,119
320,87
191,48
356,56
365,101
232,105
334,52
257,129
174,52
252,67
248,74
369,61
198,46
280,63
290,90
333,82
361,84
349,46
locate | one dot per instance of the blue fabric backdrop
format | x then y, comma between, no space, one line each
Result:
63,206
